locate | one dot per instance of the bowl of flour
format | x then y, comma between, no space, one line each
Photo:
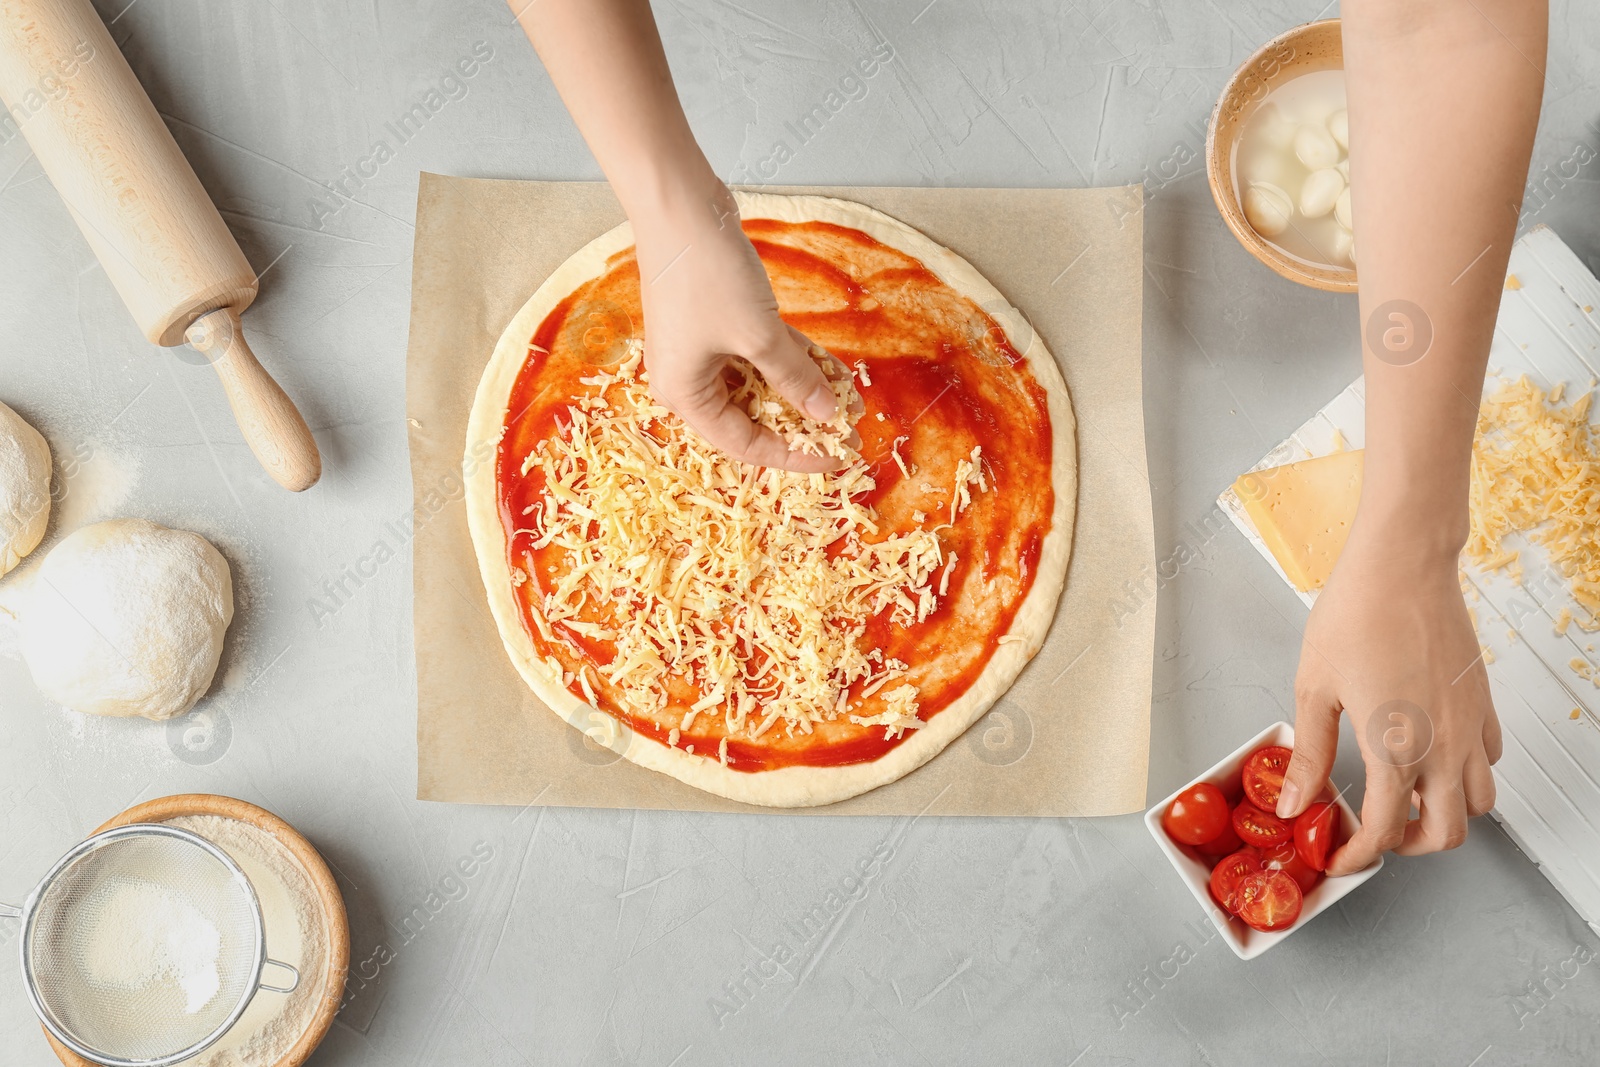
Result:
302,912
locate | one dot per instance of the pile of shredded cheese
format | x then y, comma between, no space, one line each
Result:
1536,471
835,437
752,585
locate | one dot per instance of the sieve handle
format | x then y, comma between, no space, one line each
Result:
8,912
290,988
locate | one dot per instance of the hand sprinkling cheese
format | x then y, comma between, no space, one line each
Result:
766,407
738,595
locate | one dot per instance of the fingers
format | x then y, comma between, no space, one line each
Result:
1477,781
731,430
837,371
1384,812
1492,742
1443,824
786,365
1316,740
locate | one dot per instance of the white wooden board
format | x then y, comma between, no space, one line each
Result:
1549,777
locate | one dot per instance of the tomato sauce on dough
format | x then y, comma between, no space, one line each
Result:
944,378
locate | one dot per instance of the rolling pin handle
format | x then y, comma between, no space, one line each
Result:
271,424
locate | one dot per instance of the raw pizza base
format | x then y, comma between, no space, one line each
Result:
793,786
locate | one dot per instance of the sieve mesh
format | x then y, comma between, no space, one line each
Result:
143,946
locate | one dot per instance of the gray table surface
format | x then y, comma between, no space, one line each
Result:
601,937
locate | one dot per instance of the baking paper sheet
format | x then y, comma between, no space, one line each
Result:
1548,780
1072,735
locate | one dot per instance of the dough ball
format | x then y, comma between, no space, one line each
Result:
24,488
126,618
1268,209
1341,211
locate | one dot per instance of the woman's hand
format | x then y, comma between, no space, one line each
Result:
706,299
1390,642
706,296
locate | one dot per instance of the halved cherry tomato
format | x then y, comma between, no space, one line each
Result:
1283,857
1259,828
1232,789
1196,815
1263,775
1227,874
1314,832
1268,900
1222,844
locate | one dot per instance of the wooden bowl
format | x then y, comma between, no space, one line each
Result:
1302,50
336,959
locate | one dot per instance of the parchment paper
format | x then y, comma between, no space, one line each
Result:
1071,738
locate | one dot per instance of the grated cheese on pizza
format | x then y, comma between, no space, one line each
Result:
753,586
1536,471
764,406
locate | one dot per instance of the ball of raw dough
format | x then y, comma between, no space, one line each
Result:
126,618
24,488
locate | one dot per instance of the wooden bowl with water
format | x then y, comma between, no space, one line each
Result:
1312,47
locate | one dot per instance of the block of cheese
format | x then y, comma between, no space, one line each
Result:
1303,512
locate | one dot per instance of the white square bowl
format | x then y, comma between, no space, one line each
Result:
1246,943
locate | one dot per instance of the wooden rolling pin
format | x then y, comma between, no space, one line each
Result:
144,212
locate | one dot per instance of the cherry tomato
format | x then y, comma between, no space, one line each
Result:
1227,874
1196,815
1283,857
1232,789
1259,828
1314,832
1268,900
1222,844
1263,775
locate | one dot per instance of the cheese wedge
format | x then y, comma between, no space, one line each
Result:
1303,512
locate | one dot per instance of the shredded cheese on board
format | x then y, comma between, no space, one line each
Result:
741,593
1536,471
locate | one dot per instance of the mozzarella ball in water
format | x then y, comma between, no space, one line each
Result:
1264,164
1339,126
1319,193
127,618
1316,147
1341,209
1275,129
1267,208
1344,245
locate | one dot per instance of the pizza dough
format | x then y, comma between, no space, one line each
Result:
127,618
24,488
788,785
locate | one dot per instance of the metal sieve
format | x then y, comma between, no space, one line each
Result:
142,946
